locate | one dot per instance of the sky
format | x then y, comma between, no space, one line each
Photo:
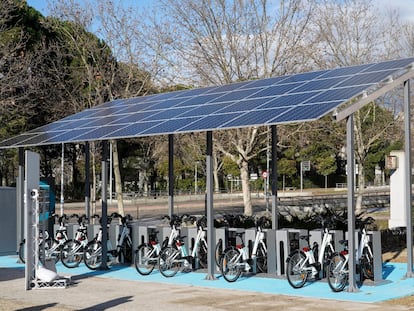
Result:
404,7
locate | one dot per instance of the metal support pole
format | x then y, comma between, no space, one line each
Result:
20,201
170,175
301,176
407,177
104,218
267,170
87,181
111,165
351,201
275,211
62,198
210,213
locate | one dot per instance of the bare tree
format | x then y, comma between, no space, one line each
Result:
107,78
218,42
353,32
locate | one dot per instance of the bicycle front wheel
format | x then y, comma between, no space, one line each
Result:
296,272
230,265
261,259
168,261
71,253
92,255
367,264
145,259
337,272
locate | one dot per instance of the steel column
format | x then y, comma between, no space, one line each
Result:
104,218
275,211
170,175
351,201
407,177
210,213
87,181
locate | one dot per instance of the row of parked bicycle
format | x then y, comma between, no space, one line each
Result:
172,255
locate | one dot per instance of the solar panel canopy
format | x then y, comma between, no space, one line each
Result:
279,100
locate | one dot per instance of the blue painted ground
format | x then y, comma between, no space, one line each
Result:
395,285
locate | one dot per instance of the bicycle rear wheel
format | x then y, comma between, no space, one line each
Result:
295,271
168,261
218,252
337,272
261,259
202,254
145,259
92,255
367,264
22,255
71,253
229,265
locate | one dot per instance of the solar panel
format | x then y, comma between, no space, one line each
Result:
285,99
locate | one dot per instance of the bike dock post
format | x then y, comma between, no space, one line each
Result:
71,230
92,230
270,235
190,242
250,236
375,238
285,238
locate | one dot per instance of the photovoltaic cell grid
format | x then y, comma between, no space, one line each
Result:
286,99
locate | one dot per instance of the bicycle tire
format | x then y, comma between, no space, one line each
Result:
71,254
367,264
202,254
218,252
22,255
296,278
144,264
337,272
92,255
168,263
261,259
229,265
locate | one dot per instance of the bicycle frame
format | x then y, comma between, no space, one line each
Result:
259,239
244,251
363,242
310,256
200,238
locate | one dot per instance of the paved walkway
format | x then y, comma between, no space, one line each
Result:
122,288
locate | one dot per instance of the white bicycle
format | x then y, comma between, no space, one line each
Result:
49,247
93,252
72,251
176,256
146,255
308,262
338,268
236,260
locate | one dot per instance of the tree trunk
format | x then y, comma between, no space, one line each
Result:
215,175
118,181
361,189
247,199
